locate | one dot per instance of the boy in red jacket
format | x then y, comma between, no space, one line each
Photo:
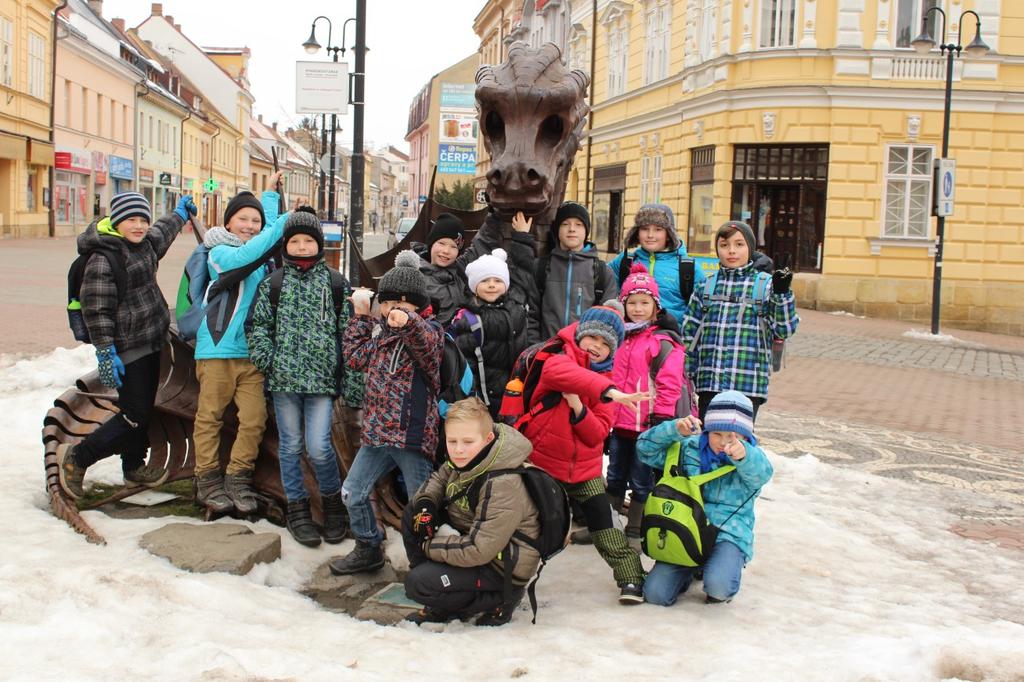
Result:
568,439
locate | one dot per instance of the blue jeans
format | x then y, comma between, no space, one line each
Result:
625,470
310,413
371,463
722,573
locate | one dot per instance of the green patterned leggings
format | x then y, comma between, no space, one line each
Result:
611,542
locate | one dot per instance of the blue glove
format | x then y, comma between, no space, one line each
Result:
111,367
186,207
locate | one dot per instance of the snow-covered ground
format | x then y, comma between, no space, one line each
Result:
922,335
856,577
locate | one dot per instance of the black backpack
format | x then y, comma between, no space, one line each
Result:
76,320
552,504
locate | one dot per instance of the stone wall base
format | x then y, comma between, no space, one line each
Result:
996,307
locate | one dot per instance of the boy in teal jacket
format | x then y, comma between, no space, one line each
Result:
728,438
223,368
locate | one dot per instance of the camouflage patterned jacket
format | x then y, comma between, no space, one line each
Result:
298,349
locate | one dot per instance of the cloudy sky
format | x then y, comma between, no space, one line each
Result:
409,41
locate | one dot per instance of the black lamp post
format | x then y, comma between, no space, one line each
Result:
977,48
312,47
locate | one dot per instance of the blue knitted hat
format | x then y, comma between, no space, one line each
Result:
731,411
604,322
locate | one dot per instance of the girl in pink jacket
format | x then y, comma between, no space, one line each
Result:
651,360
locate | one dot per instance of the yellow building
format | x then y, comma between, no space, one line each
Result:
26,142
815,121
442,131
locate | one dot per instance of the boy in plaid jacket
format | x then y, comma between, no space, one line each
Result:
729,331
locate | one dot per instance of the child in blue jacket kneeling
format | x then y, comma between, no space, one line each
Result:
728,438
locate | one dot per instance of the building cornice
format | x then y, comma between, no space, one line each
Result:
808,96
100,58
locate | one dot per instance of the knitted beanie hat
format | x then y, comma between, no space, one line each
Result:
571,209
639,281
731,411
129,205
404,282
744,229
240,201
604,322
446,226
488,265
659,215
302,221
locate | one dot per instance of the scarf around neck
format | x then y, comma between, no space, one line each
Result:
709,459
217,236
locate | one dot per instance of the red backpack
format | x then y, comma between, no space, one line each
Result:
523,382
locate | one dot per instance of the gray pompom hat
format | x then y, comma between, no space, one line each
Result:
404,282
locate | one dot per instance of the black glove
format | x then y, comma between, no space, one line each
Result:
655,419
781,280
425,521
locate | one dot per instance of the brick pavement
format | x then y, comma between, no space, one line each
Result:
957,404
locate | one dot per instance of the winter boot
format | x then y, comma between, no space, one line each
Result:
631,593
633,518
210,493
300,524
72,474
335,518
146,475
502,614
239,489
365,558
430,615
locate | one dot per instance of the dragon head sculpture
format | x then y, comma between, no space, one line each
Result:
532,111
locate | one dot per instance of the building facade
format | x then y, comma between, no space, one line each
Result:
26,142
443,130
815,121
94,117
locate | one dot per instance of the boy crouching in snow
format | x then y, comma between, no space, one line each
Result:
728,440
458,576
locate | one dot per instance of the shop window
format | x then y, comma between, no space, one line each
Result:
908,191
778,18
36,65
6,52
782,163
702,197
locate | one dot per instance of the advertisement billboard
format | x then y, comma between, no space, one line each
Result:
321,88
456,159
458,129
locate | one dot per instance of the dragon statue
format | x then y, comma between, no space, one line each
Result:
532,110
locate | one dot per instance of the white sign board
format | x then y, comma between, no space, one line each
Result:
946,179
321,88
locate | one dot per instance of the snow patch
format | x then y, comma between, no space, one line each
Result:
855,577
921,335
843,313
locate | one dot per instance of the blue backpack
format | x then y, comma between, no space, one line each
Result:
200,299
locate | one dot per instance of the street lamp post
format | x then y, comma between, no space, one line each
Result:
924,43
312,47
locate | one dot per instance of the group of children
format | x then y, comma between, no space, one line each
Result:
620,343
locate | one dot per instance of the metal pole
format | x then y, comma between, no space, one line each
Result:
322,193
940,226
358,162
330,188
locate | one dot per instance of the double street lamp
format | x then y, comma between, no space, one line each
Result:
355,225
924,43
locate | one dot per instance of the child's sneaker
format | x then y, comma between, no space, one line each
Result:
146,475
631,593
71,474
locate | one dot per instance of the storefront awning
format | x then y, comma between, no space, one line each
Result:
12,147
40,153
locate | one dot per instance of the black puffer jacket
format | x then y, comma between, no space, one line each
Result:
446,287
137,324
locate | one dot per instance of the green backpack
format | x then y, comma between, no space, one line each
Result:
675,529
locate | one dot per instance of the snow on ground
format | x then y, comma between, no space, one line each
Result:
843,313
921,335
856,577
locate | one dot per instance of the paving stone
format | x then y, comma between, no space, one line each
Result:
212,547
